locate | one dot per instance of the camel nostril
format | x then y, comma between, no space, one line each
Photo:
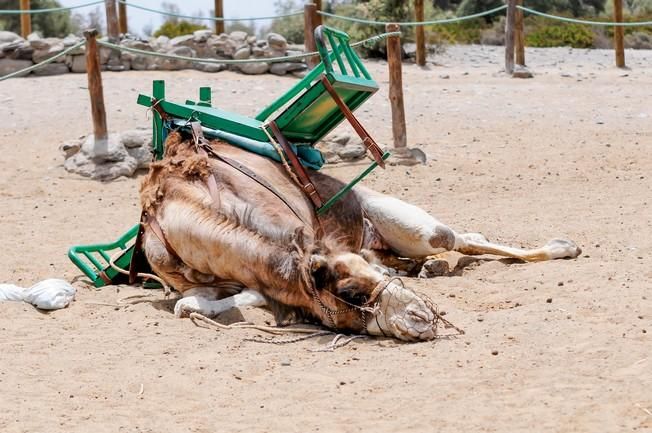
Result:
419,314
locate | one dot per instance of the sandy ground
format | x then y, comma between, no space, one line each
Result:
567,153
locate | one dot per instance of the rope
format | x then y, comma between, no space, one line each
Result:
414,23
41,11
172,14
281,154
166,287
197,317
591,23
44,62
239,61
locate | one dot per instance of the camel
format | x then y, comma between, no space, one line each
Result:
223,240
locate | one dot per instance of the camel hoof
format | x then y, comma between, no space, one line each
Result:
185,306
563,249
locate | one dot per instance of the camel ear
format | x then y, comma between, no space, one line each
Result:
319,270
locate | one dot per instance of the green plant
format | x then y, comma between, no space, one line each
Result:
560,34
173,29
52,24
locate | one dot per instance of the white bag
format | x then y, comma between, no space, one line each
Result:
51,294
9,292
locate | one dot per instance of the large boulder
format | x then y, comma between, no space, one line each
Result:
253,68
52,69
223,46
46,48
6,37
138,62
77,64
176,64
201,36
20,49
119,155
7,66
242,53
277,42
283,68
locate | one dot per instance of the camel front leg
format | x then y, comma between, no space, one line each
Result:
202,300
411,232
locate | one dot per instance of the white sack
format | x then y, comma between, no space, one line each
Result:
9,292
51,294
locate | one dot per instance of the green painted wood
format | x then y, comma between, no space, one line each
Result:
158,134
205,96
345,190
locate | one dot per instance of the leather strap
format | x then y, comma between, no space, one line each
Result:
306,184
205,147
369,143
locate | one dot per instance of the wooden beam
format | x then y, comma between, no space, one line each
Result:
509,36
318,21
394,61
619,34
219,13
519,35
112,29
310,17
25,19
95,86
420,32
122,18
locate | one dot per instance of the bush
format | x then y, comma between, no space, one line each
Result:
173,29
560,35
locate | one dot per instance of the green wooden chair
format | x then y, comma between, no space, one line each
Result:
301,117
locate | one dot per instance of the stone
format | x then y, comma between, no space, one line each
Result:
202,35
242,53
283,68
182,40
339,139
257,52
402,156
251,40
8,37
18,50
253,68
239,37
176,64
521,71
109,159
136,138
77,64
71,40
52,69
434,268
277,42
34,36
352,151
209,67
7,66
46,48
222,45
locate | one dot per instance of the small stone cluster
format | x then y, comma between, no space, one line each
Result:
17,53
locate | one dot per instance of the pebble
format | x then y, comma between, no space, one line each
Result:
285,363
549,300
494,352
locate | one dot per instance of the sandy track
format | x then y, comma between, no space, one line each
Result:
565,154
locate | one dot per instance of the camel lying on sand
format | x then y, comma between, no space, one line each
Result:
222,240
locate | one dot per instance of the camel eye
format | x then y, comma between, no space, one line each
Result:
353,293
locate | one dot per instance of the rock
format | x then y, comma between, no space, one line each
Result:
109,159
8,37
200,36
77,64
176,64
340,139
136,138
34,36
238,37
521,71
139,62
403,156
434,268
223,46
162,42
52,69
46,48
352,151
18,50
257,52
253,68
209,67
277,42
7,66
283,68
71,40
242,53
182,40
251,40
300,74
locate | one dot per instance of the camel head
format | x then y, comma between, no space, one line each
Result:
350,294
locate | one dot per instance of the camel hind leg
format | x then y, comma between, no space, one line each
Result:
411,232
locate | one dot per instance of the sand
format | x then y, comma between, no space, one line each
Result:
565,154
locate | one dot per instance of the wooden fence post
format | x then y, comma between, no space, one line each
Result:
219,13
112,30
509,37
95,86
394,61
619,34
519,35
310,18
25,19
420,32
318,5
122,18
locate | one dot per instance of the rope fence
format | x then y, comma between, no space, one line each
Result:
49,10
586,22
43,63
